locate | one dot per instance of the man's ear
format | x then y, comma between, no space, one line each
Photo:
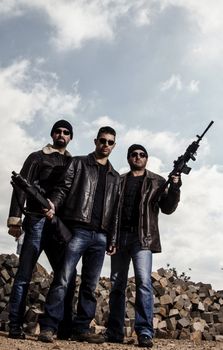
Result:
95,141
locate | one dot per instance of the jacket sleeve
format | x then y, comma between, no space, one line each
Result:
63,186
169,200
28,171
114,234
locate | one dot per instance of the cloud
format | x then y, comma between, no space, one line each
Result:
29,97
173,82
176,83
90,129
207,16
194,86
77,21
154,141
192,236
28,91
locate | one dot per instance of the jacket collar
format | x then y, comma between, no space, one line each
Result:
149,174
49,149
92,161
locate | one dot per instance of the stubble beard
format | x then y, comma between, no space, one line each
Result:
61,143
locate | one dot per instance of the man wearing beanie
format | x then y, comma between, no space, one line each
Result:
138,239
43,168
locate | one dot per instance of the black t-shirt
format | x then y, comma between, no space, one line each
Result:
98,205
132,198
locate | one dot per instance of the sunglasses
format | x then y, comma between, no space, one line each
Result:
104,141
136,154
59,131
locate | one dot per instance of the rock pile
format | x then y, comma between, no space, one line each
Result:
182,309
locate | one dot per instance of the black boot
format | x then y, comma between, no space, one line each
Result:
16,332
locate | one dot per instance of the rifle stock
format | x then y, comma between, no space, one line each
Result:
56,226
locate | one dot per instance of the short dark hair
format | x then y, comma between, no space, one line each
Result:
106,130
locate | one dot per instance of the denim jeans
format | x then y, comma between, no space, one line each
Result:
35,241
91,245
31,249
142,264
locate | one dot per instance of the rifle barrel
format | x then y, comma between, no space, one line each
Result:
208,127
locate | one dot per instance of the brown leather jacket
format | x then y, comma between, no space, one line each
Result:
42,168
77,190
149,207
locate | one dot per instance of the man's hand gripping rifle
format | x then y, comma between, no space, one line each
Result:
180,165
58,228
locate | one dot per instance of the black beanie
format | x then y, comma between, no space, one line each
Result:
62,124
132,148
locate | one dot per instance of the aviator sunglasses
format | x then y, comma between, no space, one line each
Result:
104,141
65,132
140,154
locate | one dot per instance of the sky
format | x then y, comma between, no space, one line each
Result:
151,69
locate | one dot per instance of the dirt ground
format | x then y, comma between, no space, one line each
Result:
31,343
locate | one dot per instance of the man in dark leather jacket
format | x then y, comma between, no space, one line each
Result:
42,168
90,191
138,239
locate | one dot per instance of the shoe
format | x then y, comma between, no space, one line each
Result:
144,341
111,339
89,337
16,333
63,334
46,336
64,331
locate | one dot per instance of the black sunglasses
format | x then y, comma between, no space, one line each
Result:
59,131
104,141
136,154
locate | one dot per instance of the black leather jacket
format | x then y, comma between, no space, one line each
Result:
77,190
148,229
43,168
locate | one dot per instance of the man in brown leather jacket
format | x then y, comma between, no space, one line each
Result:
89,194
138,239
42,168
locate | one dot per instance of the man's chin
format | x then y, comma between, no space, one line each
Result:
105,153
60,143
137,167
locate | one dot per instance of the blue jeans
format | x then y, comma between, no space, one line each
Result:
35,241
142,264
91,245
31,249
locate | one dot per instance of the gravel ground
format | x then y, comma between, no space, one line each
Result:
32,344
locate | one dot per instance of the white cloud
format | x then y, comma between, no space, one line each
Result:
166,142
76,21
207,44
28,91
9,7
90,129
192,236
208,15
28,95
194,86
173,82
176,83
